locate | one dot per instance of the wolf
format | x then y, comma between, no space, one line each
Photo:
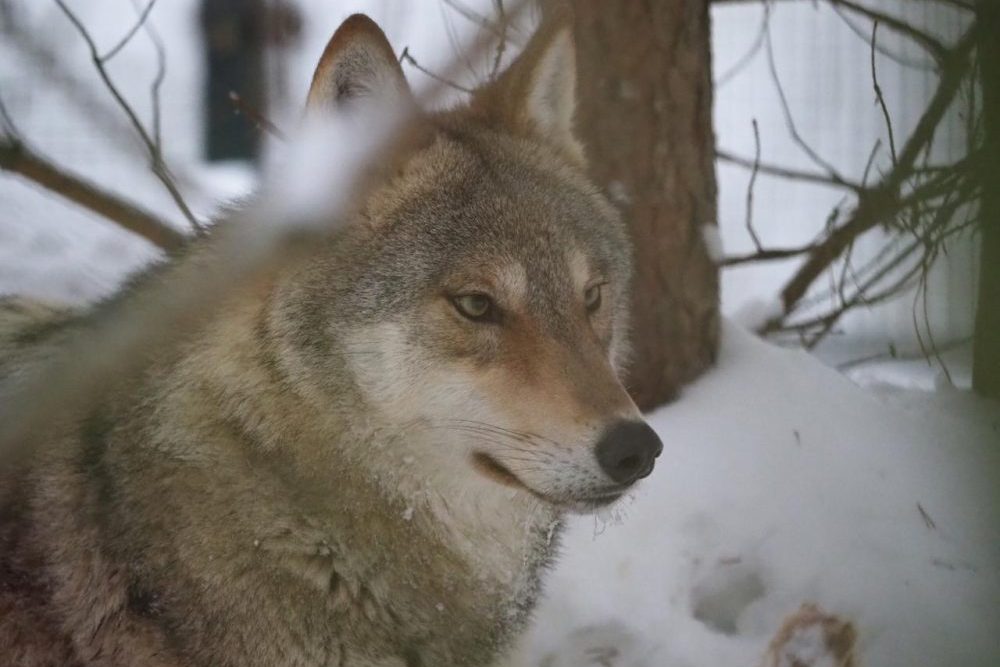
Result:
362,457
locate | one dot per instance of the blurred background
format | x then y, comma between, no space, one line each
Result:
799,130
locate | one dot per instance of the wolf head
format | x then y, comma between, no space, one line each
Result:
478,304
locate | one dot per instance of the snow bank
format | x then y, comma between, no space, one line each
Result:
782,483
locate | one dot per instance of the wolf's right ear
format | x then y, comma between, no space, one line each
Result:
358,65
536,96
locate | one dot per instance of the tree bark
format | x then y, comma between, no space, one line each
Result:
645,118
986,341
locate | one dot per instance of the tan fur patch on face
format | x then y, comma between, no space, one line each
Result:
512,280
579,268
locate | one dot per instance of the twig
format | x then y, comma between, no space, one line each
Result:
15,157
502,41
8,120
255,116
766,255
476,18
849,21
745,59
753,179
790,120
406,57
881,100
159,167
161,73
143,15
928,521
831,180
931,44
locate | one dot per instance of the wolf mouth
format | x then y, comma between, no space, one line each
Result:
496,471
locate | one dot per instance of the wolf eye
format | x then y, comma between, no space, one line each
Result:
475,306
592,298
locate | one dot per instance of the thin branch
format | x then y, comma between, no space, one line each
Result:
8,120
161,74
16,158
754,49
476,18
259,120
753,179
790,120
159,167
767,255
502,42
899,59
406,57
830,180
931,44
881,100
143,15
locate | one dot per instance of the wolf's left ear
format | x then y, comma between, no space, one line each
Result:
537,94
358,65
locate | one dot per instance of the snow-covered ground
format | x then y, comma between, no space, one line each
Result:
782,482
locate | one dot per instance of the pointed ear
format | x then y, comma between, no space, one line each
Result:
536,96
358,65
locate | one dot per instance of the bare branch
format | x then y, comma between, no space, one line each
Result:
898,58
767,255
753,179
475,17
406,57
881,100
17,158
260,121
130,34
833,181
502,42
790,120
157,164
931,44
875,202
745,59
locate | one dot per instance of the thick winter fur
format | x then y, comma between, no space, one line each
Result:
340,468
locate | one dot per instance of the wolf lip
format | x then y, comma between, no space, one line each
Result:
499,473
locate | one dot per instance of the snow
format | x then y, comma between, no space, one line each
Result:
713,242
784,483
755,313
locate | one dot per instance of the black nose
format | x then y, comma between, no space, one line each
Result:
627,450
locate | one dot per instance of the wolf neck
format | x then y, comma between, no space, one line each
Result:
497,536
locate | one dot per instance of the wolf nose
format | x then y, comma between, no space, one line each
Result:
627,450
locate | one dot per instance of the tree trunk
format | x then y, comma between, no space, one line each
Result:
645,118
986,343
